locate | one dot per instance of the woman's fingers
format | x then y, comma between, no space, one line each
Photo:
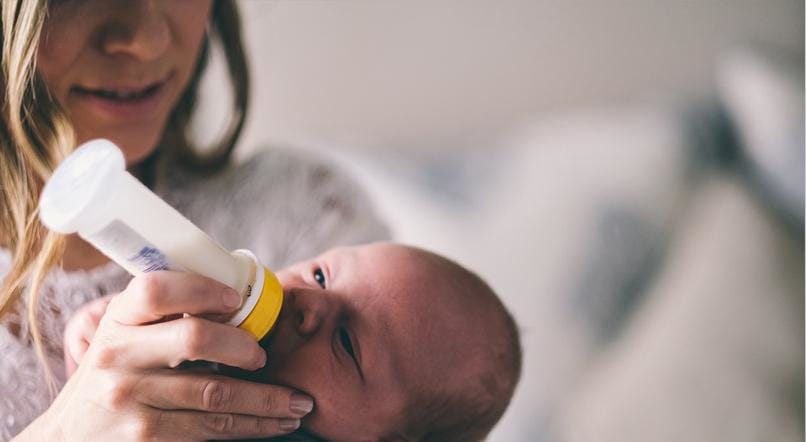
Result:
157,295
168,390
168,344
195,425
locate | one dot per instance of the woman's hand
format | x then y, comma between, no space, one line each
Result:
125,388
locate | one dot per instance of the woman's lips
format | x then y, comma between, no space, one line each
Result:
124,102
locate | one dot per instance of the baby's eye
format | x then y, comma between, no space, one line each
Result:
319,276
344,337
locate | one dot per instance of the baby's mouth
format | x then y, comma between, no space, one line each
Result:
265,343
267,340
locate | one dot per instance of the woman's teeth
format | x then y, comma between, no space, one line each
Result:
116,94
119,95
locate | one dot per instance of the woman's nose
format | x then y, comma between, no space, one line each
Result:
141,31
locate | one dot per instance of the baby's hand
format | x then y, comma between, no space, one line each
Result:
80,330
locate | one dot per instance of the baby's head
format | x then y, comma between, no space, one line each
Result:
393,343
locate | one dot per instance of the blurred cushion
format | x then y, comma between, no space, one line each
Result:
716,352
763,94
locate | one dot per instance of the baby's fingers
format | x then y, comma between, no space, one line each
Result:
77,337
74,350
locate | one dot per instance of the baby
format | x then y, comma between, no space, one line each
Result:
393,343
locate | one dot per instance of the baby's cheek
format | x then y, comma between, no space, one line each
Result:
346,413
331,423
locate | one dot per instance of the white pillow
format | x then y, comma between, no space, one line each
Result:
764,98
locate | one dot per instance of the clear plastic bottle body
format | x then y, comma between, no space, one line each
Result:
143,233
91,194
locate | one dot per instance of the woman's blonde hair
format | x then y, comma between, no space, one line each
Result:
35,135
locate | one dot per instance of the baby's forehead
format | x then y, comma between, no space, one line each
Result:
409,288
379,250
378,267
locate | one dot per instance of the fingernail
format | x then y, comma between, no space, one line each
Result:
289,424
300,404
261,360
232,299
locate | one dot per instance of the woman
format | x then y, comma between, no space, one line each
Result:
74,70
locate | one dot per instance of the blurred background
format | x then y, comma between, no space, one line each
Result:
628,175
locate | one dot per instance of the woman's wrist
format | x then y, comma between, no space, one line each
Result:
39,430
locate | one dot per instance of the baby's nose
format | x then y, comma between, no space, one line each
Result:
306,323
309,312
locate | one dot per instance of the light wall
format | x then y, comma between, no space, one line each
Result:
454,73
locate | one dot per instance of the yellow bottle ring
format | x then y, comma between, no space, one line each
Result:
264,314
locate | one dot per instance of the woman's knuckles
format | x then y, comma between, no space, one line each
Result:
152,299
195,338
269,404
105,355
220,423
116,392
216,396
148,289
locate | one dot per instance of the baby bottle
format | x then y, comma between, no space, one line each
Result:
91,193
